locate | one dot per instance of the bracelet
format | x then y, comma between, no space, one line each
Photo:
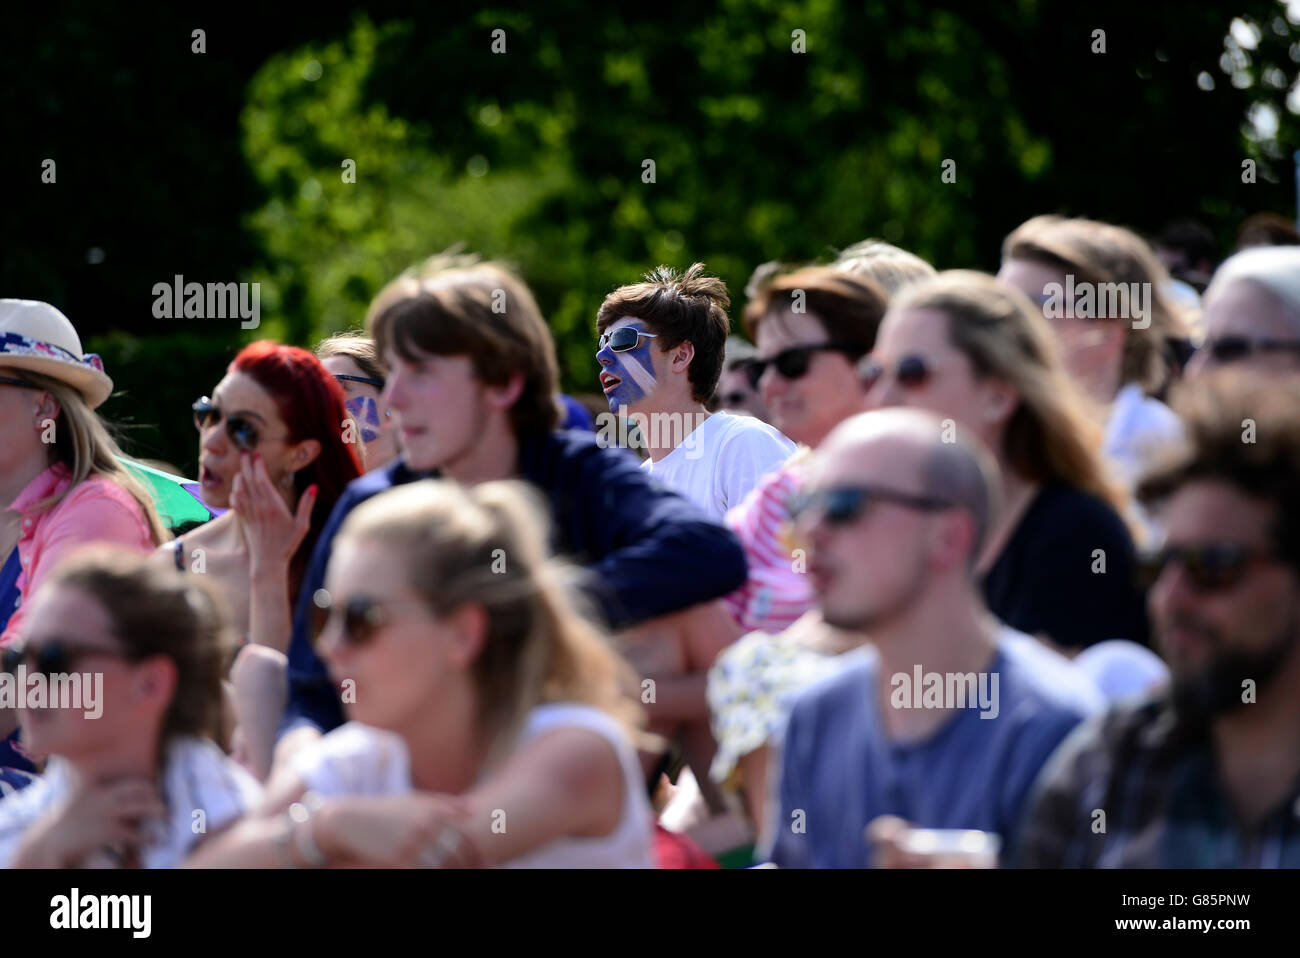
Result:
452,849
297,837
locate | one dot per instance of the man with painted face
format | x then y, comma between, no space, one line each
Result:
1208,774
661,349
472,385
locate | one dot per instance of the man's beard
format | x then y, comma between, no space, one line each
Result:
1218,688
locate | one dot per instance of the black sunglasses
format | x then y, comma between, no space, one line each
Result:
731,399
912,372
1213,567
242,432
377,383
840,505
362,615
794,363
54,657
624,338
1228,349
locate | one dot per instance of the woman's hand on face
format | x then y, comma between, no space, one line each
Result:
408,831
273,532
96,817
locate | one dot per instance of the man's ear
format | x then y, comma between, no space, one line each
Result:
954,538
506,395
680,356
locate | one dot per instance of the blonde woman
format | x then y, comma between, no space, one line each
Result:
1060,562
61,482
353,360
123,786
1115,336
491,724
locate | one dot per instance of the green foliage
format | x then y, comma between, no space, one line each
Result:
536,155
228,166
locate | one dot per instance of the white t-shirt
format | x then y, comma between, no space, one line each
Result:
1139,431
357,759
721,461
197,777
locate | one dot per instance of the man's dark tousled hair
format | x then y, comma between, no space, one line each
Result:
679,307
1220,411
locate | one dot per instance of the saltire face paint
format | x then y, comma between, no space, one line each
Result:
634,367
365,411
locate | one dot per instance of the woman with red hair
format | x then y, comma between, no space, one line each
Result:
276,448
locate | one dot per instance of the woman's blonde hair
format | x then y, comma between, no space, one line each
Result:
84,445
1101,253
891,267
1050,436
487,546
356,346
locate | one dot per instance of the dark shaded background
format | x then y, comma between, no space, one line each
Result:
224,166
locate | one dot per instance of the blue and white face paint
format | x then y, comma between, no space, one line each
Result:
627,377
364,410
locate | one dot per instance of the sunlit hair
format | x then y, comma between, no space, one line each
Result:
454,304
849,308
357,347
487,546
83,444
153,611
1050,436
891,267
1100,253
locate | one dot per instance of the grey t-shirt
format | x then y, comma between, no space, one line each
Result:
838,771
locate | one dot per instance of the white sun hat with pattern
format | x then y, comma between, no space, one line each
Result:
36,336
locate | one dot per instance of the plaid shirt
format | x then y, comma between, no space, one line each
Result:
1154,780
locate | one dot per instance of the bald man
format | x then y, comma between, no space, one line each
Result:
1252,313
947,717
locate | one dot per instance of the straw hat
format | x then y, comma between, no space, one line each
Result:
36,336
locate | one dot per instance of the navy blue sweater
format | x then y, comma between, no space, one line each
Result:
645,550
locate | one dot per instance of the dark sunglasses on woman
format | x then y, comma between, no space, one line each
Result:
794,363
53,657
1213,567
362,615
1230,349
242,433
912,372
377,383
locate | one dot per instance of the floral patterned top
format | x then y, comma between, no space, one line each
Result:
753,684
